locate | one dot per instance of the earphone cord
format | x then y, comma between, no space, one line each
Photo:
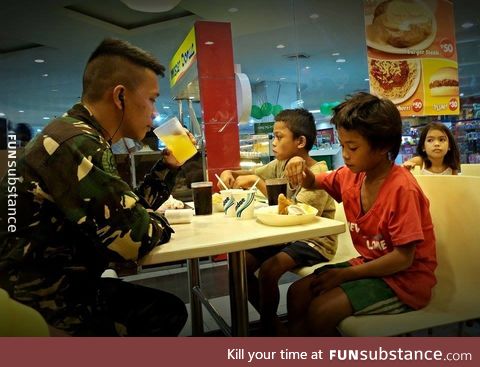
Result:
118,128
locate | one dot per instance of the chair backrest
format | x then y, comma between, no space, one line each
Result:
454,206
345,249
470,169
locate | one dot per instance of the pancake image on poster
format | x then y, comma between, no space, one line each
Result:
398,25
396,80
444,82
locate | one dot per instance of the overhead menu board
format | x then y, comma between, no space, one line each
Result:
412,56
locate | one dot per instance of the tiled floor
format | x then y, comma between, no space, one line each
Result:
214,277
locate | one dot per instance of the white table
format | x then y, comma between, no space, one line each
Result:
215,234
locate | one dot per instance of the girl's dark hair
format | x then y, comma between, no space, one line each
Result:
377,120
452,158
301,123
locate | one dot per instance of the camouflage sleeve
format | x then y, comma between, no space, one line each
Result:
157,185
81,177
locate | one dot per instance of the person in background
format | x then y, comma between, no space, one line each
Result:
388,217
74,215
24,134
294,134
437,151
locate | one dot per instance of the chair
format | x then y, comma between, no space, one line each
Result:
472,169
454,204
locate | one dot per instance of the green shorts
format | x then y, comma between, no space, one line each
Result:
369,296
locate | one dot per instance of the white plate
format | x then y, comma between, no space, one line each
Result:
269,215
410,91
385,47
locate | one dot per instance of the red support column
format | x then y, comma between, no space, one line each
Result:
216,79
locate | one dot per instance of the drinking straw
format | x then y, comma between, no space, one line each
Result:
221,182
255,184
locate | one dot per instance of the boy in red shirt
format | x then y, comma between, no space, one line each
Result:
388,218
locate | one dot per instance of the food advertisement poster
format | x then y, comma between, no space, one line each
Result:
412,55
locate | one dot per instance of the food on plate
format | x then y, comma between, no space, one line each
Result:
401,23
394,79
444,82
217,202
283,204
171,203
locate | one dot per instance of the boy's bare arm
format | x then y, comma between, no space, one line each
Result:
412,162
399,259
229,176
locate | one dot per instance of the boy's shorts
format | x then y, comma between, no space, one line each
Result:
369,296
302,253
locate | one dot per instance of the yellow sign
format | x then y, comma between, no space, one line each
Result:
183,58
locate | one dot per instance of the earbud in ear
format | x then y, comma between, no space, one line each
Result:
122,100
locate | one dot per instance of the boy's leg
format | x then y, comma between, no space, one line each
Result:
252,265
269,274
326,311
299,296
141,311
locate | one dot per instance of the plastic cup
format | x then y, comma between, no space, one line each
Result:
202,197
176,139
275,187
244,203
229,202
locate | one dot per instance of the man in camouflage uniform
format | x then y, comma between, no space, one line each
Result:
74,214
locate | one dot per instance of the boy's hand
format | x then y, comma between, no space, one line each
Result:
409,165
297,173
327,280
244,181
227,179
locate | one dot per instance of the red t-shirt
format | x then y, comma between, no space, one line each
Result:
400,215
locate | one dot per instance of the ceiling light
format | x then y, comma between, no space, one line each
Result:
233,10
307,67
166,107
467,25
339,68
314,16
46,118
208,43
280,46
151,6
283,78
314,111
45,75
21,111
54,90
39,61
336,54
366,79
340,60
461,94
2,114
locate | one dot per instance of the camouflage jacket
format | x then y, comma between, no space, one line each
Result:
73,215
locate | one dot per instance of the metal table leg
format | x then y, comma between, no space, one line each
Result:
195,304
238,293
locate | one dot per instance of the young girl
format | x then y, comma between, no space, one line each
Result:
437,151
389,221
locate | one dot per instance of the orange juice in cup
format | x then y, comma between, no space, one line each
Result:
176,139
